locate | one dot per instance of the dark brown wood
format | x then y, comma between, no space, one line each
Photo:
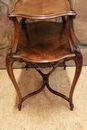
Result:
47,37
43,44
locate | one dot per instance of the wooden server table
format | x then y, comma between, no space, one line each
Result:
43,43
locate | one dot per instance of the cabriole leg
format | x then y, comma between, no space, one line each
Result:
78,61
9,66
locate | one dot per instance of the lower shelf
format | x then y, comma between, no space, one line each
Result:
43,42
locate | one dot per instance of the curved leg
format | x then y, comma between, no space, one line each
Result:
78,61
9,64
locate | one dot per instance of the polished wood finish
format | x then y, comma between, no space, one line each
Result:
43,44
41,9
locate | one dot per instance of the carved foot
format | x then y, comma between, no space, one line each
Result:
19,107
71,106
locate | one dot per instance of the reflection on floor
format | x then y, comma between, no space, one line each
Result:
44,111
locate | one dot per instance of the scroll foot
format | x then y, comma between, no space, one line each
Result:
19,107
71,106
